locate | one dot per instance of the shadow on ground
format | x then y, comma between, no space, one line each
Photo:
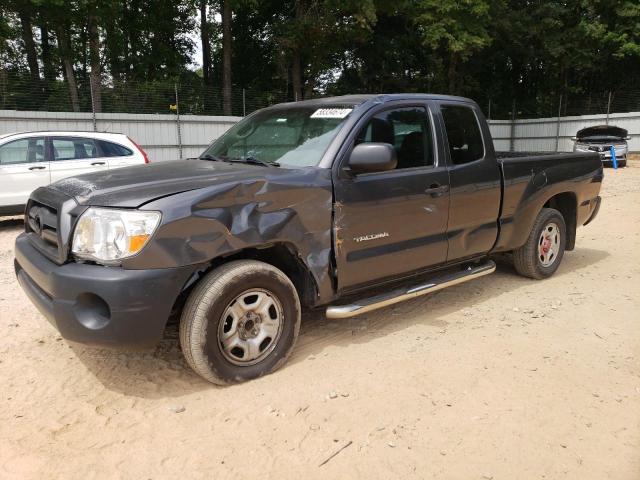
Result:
164,372
158,373
11,223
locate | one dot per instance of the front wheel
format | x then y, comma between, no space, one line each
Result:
541,255
240,322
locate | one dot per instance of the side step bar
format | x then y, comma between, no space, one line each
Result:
402,294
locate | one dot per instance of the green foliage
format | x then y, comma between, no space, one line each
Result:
491,50
458,27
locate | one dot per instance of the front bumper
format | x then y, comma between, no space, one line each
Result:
605,156
607,161
96,305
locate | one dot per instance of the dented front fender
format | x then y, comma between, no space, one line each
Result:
292,208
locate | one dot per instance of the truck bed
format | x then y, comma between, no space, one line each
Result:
515,155
529,178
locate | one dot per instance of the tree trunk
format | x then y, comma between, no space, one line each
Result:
47,61
94,58
111,48
29,44
67,64
206,44
83,72
226,57
452,75
131,47
296,75
296,56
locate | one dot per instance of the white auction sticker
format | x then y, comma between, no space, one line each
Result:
331,112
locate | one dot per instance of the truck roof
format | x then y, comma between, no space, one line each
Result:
374,98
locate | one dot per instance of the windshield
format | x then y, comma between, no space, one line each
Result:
296,136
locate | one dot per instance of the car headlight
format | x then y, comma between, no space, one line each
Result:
108,235
581,147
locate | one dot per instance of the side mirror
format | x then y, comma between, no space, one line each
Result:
574,139
372,157
627,138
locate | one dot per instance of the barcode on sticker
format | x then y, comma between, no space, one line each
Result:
331,112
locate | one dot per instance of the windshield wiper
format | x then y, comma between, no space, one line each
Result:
249,159
257,161
208,156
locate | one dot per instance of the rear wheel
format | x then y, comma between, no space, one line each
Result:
541,255
240,322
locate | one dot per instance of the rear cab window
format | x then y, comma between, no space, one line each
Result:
463,134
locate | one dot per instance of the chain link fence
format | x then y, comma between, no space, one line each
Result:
20,92
567,105
545,123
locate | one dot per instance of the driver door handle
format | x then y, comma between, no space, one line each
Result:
435,189
37,168
98,163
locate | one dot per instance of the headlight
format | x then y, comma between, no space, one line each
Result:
108,235
583,147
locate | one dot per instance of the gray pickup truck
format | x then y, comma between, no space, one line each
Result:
350,203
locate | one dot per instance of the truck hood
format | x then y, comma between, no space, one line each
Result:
602,132
131,187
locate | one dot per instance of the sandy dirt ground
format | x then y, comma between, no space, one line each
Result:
500,378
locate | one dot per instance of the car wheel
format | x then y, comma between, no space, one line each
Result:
541,255
622,163
240,322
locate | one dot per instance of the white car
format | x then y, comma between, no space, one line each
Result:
34,159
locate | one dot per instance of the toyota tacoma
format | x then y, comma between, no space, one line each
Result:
348,203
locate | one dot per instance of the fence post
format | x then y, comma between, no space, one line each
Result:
175,86
93,107
608,106
244,104
512,134
489,111
558,123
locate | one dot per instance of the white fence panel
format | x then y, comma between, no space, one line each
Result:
539,134
158,134
500,131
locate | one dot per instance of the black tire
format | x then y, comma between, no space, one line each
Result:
202,325
527,259
622,163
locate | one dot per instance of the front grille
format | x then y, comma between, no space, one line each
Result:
600,148
48,223
42,221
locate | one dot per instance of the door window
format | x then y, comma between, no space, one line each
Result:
74,148
408,130
463,134
27,150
